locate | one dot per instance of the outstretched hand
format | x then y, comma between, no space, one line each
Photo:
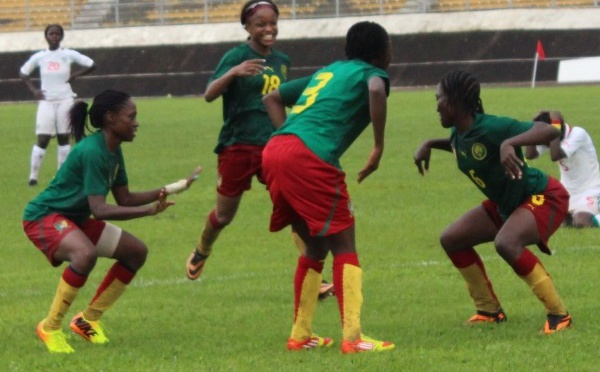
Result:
250,67
193,177
183,184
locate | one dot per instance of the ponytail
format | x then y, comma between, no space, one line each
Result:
77,118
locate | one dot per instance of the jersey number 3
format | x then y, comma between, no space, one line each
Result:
312,92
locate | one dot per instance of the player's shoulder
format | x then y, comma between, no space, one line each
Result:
39,54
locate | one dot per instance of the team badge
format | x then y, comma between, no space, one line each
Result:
284,71
61,225
479,151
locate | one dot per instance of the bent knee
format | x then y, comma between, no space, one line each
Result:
136,257
84,260
450,241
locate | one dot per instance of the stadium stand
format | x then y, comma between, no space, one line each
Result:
25,15
376,7
459,5
178,11
18,15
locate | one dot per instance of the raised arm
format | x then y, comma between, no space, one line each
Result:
247,68
539,134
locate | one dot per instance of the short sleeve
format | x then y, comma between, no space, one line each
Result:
292,90
31,64
80,59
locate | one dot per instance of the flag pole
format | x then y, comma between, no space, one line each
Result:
535,63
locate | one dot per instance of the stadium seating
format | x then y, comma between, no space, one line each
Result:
24,15
459,5
177,11
18,15
376,6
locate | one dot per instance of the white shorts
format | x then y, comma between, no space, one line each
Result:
53,117
588,201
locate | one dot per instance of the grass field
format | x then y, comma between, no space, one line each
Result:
238,316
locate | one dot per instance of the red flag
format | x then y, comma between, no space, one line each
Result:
540,51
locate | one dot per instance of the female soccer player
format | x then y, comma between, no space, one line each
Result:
243,76
55,95
524,205
66,220
577,161
301,164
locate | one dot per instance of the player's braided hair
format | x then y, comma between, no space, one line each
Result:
462,88
108,100
366,41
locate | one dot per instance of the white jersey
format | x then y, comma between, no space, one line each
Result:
579,171
55,70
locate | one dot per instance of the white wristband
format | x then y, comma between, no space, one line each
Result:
176,187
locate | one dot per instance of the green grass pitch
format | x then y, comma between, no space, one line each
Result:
238,316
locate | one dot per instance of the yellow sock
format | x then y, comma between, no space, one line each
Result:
64,297
104,300
112,287
306,305
352,301
542,286
480,288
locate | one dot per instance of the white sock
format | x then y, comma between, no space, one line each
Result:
37,156
63,151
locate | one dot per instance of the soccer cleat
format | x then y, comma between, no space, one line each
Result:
55,341
556,323
485,317
326,290
195,265
364,344
92,331
33,182
312,342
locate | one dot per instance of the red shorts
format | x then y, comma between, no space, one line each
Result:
303,186
549,209
48,232
237,164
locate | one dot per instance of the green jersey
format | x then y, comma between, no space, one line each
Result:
334,108
292,90
477,153
90,169
245,118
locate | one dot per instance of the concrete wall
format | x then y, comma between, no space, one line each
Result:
498,46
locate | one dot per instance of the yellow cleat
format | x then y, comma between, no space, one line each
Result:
312,342
92,331
55,341
364,344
